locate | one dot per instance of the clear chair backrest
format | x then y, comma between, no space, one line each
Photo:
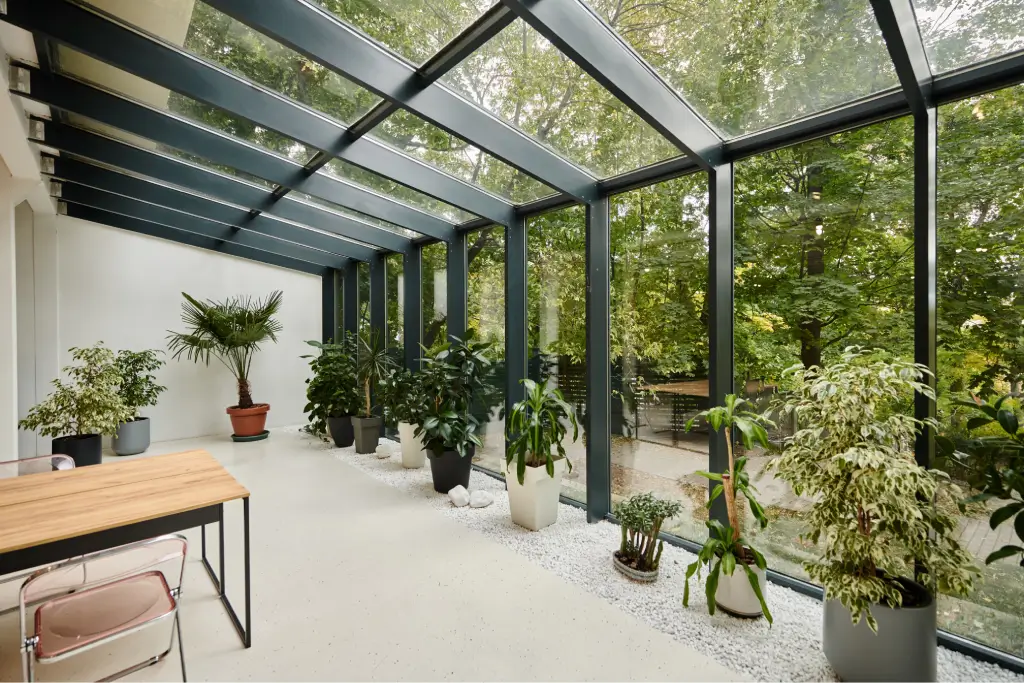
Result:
41,463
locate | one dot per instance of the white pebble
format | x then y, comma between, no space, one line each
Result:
459,496
480,499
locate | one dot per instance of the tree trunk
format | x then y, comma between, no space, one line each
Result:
810,328
244,399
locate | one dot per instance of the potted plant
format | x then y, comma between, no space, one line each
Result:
138,390
332,393
873,512
640,518
403,401
446,424
231,331
738,593
373,366
537,425
80,411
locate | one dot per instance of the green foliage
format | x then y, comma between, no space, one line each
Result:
230,330
873,506
402,396
640,519
333,390
373,365
723,552
138,387
88,403
537,424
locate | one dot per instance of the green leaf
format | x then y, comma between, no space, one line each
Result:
1008,421
978,422
728,563
711,587
1005,551
755,584
1018,526
1004,513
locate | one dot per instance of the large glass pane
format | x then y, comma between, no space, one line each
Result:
980,332
426,142
961,32
395,299
415,29
824,260
351,213
485,253
365,332
521,77
434,284
659,341
749,64
556,276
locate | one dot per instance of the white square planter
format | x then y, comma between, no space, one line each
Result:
534,503
413,455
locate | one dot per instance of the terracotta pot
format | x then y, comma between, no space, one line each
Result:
249,421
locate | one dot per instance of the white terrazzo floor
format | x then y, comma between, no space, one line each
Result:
580,553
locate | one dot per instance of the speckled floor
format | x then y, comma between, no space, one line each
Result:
353,580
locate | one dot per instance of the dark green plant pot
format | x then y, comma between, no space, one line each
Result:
449,469
85,449
367,433
341,430
132,437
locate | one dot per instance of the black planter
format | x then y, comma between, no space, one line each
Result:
341,430
450,469
86,449
367,430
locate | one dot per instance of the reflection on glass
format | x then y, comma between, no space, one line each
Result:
351,213
959,33
556,301
824,260
746,65
434,283
659,342
521,77
415,29
426,142
339,298
485,252
393,269
980,336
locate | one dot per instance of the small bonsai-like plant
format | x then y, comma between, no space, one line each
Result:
373,365
873,506
89,403
536,424
640,518
138,387
725,548
333,390
231,330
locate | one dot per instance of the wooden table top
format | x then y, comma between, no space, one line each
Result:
54,506
700,388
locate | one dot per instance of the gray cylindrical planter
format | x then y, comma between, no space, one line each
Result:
132,437
367,433
904,649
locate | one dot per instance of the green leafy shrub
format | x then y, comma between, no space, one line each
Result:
373,366
138,388
402,396
88,403
333,390
537,424
640,518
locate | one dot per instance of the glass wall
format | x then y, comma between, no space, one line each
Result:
556,299
434,274
824,260
363,279
980,333
485,252
659,346
395,292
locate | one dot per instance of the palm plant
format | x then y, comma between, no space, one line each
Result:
374,365
231,330
535,425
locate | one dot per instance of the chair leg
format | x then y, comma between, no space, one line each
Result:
27,668
181,643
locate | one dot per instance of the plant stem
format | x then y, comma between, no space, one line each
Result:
244,399
728,488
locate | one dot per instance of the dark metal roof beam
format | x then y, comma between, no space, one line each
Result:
319,35
579,33
171,67
906,49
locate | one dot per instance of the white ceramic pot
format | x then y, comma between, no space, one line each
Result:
736,596
413,455
534,503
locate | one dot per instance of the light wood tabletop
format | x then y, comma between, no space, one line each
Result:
54,506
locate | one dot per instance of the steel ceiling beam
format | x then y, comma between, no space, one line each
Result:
906,49
172,67
201,208
192,239
319,35
586,39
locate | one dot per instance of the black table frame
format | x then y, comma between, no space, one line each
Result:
57,551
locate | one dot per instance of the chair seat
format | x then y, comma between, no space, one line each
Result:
81,619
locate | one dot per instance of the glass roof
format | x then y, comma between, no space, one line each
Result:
415,29
746,65
430,144
351,213
958,33
521,77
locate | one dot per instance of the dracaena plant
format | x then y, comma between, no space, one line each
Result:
332,391
537,424
138,388
725,548
873,510
640,519
374,363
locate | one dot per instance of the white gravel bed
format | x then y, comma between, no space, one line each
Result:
581,553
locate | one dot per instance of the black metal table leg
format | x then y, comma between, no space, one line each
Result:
244,632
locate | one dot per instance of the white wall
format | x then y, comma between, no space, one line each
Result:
23,222
125,289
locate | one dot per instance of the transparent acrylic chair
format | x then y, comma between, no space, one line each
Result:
66,610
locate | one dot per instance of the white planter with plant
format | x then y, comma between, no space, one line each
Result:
874,513
403,401
740,593
138,390
536,427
